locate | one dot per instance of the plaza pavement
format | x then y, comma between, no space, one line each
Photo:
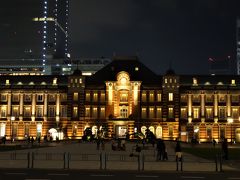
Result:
116,160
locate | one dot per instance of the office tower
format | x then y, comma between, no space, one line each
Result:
55,29
238,46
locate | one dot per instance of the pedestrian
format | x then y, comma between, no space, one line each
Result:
102,144
98,144
178,151
39,140
160,149
32,140
29,139
164,155
225,149
214,143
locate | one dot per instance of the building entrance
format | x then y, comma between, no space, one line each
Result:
121,131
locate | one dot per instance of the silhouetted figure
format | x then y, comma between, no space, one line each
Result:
225,149
160,149
178,151
32,140
214,142
39,140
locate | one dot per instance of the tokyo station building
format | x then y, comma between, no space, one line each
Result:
123,97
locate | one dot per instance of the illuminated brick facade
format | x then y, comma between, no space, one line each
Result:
123,97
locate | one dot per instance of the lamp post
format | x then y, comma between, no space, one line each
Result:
230,121
11,129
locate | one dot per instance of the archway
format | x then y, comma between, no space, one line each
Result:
54,134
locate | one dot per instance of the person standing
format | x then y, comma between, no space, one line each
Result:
225,149
178,151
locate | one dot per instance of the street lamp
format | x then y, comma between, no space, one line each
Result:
230,121
11,129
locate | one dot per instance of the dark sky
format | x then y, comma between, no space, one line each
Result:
184,33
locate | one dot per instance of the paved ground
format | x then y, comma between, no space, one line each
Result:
113,160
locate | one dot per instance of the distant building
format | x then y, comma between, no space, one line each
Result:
123,97
88,66
54,19
238,46
221,67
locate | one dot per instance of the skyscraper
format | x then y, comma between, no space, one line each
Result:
55,29
238,46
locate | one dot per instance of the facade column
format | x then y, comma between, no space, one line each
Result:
189,104
202,107
21,107
215,107
228,105
9,99
33,107
45,107
57,107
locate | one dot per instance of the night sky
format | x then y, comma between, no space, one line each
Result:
183,33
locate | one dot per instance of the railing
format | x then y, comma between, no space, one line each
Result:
108,161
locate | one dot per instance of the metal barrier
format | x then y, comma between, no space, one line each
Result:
15,157
84,158
139,161
122,158
47,157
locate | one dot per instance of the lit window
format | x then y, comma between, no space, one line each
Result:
136,68
87,112
55,81
159,97
151,96
144,114
87,96
7,82
233,82
235,114
170,96
151,112
165,80
170,112
3,111
102,96
123,97
195,81
102,113
27,111
75,96
75,111
95,97
170,80
80,80
94,112
144,97
183,113
209,113
159,112
195,113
